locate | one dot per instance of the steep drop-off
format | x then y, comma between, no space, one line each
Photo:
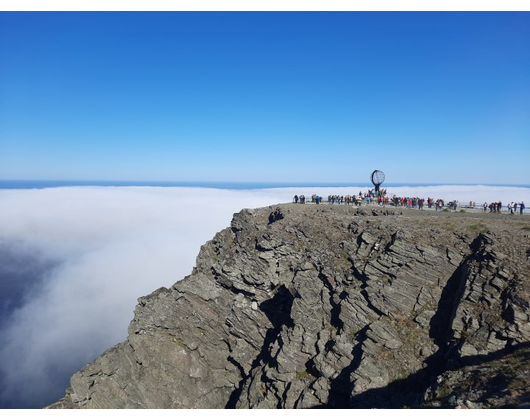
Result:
305,306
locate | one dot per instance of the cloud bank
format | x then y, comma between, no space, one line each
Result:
76,259
94,251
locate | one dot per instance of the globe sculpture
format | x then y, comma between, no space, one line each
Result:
378,177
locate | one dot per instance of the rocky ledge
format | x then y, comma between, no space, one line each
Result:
305,306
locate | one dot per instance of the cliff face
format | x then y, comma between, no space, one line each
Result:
298,306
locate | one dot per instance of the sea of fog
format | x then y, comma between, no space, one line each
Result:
74,260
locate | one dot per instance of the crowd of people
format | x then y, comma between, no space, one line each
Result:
496,207
380,197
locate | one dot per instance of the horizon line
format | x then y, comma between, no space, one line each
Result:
264,184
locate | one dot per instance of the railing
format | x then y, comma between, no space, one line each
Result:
504,208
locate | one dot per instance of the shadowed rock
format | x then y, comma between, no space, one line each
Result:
298,306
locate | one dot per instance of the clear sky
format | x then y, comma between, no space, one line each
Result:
441,97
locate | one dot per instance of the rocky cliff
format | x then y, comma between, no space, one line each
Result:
302,306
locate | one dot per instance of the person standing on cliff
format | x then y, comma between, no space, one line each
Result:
521,207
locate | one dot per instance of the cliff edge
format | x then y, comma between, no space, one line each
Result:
305,306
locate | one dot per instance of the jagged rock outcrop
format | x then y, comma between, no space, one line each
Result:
300,306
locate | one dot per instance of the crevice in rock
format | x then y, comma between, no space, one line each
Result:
335,320
441,323
278,311
411,390
341,387
364,284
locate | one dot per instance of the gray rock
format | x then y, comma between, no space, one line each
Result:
321,306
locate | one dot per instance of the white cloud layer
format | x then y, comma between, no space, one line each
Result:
107,246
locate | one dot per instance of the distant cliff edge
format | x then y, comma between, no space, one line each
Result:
307,306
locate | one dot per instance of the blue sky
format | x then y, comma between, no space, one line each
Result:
439,97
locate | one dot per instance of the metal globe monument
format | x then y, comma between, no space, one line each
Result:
377,178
